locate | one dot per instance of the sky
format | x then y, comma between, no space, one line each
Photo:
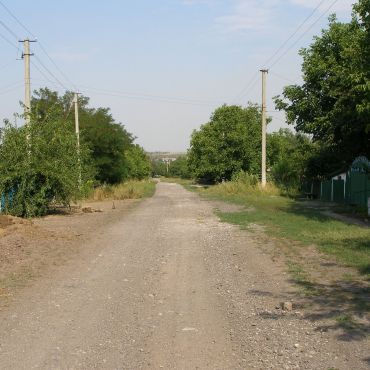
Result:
162,66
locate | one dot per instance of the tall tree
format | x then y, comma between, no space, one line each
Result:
138,163
228,143
107,139
333,103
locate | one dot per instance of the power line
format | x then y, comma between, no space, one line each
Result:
15,86
43,74
249,86
252,82
39,43
11,85
9,30
50,73
153,96
304,33
16,19
57,67
294,33
9,42
149,98
282,77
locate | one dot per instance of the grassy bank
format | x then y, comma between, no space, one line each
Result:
177,180
290,219
128,190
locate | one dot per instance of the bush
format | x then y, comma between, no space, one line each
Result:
39,165
245,178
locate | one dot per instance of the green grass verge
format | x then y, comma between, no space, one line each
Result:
287,218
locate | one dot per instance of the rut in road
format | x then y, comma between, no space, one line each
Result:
170,287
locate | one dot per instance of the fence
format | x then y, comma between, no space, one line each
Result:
353,189
6,200
358,188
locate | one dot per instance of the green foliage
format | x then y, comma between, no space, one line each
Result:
106,139
113,152
179,168
333,104
138,163
40,165
245,178
108,142
288,156
159,168
228,143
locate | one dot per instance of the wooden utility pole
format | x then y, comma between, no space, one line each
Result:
263,164
77,130
27,79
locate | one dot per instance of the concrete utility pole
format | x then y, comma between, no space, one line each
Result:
27,79
263,165
77,124
77,129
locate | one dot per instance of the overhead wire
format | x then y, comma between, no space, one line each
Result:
149,97
152,96
9,42
304,33
10,89
50,73
252,82
294,33
21,24
9,29
282,77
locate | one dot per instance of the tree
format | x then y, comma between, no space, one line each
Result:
288,156
333,103
228,143
159,168
179,168
108,142
40,165
138,163
107,139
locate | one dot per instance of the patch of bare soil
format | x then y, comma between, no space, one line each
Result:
329,292
30,248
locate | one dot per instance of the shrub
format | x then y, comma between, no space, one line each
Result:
39,165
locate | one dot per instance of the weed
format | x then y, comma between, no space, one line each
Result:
127,190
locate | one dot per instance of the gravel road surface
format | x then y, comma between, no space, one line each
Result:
168,286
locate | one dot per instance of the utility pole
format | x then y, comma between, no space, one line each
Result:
27,79
77,130
263,164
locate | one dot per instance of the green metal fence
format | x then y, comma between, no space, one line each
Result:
358,188
326,191
338,191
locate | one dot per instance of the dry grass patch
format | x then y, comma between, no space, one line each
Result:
128,190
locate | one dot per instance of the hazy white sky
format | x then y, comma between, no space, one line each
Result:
161,66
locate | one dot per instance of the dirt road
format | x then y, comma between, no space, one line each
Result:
167,286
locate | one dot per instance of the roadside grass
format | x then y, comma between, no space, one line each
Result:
177,180
132,189
286,218
302,278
